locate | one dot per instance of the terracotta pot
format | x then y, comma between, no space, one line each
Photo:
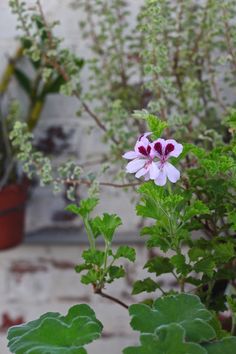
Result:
12,214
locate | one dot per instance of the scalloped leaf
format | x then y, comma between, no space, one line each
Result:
148,285
85,208
183,309
167,339
225,346
56,334
107,224
125,252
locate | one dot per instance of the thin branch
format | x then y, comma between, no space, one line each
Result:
109,297
106,184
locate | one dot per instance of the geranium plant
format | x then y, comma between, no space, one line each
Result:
199,196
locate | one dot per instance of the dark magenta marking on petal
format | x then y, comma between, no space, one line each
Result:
142,150
158,147
169,147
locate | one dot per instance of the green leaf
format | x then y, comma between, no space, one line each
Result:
85,207
232,219
183,309
225,346
156,126
205,266
125,252
216,324
56,334
231,119
95,231
94,257
179,262
80,267
195,253
223,252
151,207
116,272
159,237
91,277
167,339
232,304
147,285
197,208
159,265
107,225
24,81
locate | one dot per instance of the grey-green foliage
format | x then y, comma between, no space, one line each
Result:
36,164
179,59
43,47
106,26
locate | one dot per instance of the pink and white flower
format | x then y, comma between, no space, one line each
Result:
142,156
143,162
163,150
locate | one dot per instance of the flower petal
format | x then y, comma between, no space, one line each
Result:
135,165
147,176
144,135
142,145
130,155
141,173
158,147
178,148
172,173
161,179
154,170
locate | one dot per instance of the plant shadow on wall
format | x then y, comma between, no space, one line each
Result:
183,186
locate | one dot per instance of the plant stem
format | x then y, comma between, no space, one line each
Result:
89,233
233,324
109,297
182,284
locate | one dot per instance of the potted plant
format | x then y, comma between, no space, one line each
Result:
13,183
13,189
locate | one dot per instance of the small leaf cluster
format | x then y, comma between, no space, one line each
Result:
100,265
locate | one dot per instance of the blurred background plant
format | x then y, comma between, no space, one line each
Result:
36,81
176,60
